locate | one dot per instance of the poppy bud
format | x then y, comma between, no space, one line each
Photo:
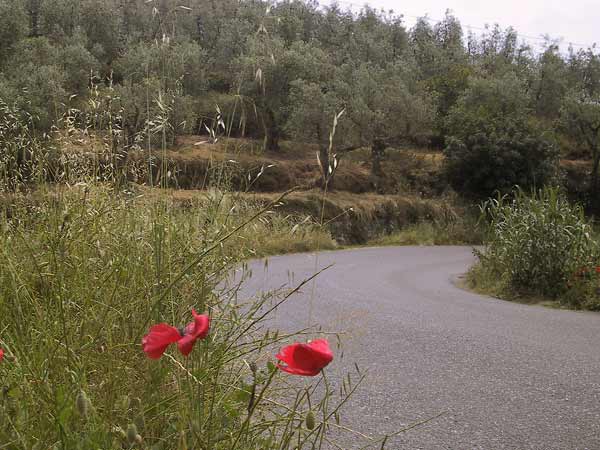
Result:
132,434
82,403
310,420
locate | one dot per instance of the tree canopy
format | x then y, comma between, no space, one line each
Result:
283,70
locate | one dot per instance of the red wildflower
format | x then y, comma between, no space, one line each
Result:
198,329
305,359
1,354
597,269
162,335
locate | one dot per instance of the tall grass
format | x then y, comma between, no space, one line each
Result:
25,156
457,230
539,245
84,273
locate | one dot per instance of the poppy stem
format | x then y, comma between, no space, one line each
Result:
253,408
274,307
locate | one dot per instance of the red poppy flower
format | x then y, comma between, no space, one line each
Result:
162,335
1,354
305,359
597,269
198,329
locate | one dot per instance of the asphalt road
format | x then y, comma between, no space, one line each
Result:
508,376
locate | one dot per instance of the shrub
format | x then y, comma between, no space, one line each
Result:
497,159
537,244
492,146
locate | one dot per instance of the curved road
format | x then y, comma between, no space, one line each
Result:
509,376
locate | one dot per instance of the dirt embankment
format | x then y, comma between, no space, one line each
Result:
241,163
359,208
352,219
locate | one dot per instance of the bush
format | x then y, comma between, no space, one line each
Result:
499,159
492,146
538,244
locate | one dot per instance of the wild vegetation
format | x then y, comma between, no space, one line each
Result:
539,246
86,273
389,135
142,74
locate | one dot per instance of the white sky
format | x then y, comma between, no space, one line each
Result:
572,21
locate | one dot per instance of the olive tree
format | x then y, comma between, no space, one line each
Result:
269,71
13,26
317,115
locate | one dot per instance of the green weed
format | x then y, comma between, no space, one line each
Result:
85,272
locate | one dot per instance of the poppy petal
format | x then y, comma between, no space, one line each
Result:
198,329
286,354
186,344
158,339
201,325
321,350
298,371
305,359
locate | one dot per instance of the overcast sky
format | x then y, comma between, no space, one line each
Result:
574,21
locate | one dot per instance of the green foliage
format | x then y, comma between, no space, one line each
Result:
487,101
552,83
100,23
39,80
461,230
79,67
384,104
86,272
264,60
442,63
497,52
492,145
58,18
13,27
179,66
24,156
580,119
313,112
269,71
538,244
